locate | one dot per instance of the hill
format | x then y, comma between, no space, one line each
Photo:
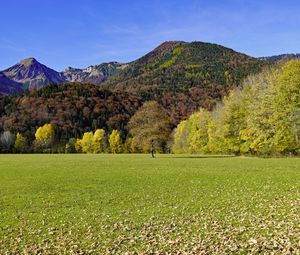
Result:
180,65
185,76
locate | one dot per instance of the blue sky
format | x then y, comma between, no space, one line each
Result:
78,33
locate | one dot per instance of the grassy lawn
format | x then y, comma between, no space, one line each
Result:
113,204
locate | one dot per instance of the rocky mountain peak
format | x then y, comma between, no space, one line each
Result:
33,74
28,62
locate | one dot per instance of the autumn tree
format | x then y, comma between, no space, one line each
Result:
90,142
78,145
99,141
115,142
198,131
87,142
287,104
258,95
150,128
20,143
44,136
181,138
215,130
234,121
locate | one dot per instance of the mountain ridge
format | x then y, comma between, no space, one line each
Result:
282,57
95,74
184,60
31,74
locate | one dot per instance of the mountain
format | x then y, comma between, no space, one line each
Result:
94,74
178,64
33,74
173,66
8,86
282,57
185,76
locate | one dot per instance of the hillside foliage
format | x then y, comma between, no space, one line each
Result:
71,108
262,118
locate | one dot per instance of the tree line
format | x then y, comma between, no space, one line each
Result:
149,129
260,118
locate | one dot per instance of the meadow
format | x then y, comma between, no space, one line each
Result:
133,204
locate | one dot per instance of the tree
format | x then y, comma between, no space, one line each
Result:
216,139
20,143
258,96
295,126
87,142
234,121
128,145
198,131
98,141
286,104
115,143
78,146
71,146
150,128
181,136
44,136
7,140
90,143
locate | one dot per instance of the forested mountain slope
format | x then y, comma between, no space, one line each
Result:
184,76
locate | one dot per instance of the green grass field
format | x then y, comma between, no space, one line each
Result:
113,204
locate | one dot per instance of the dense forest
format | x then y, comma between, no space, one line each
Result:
71,108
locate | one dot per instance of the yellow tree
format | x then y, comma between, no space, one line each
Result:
286,103
198,131
45,136
20,143
215,130
181,135
234,121
98,141
87,142
257,132
78,145
115,143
